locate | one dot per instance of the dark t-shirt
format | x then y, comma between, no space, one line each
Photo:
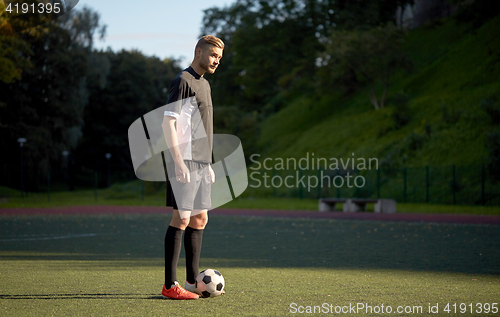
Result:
190,102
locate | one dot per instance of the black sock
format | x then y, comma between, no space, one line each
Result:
173,244
192,244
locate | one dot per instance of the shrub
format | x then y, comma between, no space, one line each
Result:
493,146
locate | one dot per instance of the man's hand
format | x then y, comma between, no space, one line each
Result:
212,174
182,173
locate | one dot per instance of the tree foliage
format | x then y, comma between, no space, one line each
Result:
123,86
265,41
364,58
14,52
65,96
45,104
476,12
272,46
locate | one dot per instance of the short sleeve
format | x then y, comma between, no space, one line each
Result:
179,91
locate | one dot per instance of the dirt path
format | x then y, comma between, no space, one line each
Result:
407,217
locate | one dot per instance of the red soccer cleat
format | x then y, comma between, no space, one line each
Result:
177,292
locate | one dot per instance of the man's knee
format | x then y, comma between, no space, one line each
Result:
199,221
179,222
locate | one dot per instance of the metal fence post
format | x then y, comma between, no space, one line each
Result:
95,186
453,183
301,190
274,188
404,184
333,182
48,186
320,182
427,184
143,190
483,176
378,183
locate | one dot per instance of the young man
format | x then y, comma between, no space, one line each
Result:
188,128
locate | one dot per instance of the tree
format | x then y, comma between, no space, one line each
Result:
45,104
364,58
476,12
123,86
14,52
14,58
265,42
356,14
272,46
74,98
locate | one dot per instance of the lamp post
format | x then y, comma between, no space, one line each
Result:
21,142
65,166
108,156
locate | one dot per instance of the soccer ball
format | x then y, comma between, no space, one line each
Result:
210,283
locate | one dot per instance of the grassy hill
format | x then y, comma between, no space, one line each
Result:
435,116
456,70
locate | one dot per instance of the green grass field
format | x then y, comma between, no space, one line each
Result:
112,265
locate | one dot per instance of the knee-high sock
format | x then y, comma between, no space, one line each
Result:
173,245
192,245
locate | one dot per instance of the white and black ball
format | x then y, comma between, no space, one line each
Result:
210,283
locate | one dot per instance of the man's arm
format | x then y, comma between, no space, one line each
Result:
181,170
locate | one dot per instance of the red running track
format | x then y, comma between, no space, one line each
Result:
406,217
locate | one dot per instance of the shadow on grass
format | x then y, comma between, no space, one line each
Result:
82,296
137,240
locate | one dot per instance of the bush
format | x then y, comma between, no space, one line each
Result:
124,190
492,109
6,192
244,125
402,114
493,146
450,115
151,188
477,12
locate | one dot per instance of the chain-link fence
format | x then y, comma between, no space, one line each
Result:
467,185
59,180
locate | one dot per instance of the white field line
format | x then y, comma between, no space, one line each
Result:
67,236
40,238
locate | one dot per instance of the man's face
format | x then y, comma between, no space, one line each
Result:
210,58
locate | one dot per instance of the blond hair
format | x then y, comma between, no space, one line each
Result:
209,40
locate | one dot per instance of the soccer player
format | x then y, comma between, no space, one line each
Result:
188,129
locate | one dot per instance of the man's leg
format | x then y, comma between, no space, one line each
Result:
192,243
173,244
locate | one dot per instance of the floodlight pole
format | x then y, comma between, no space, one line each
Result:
21,142
108,156
65,154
